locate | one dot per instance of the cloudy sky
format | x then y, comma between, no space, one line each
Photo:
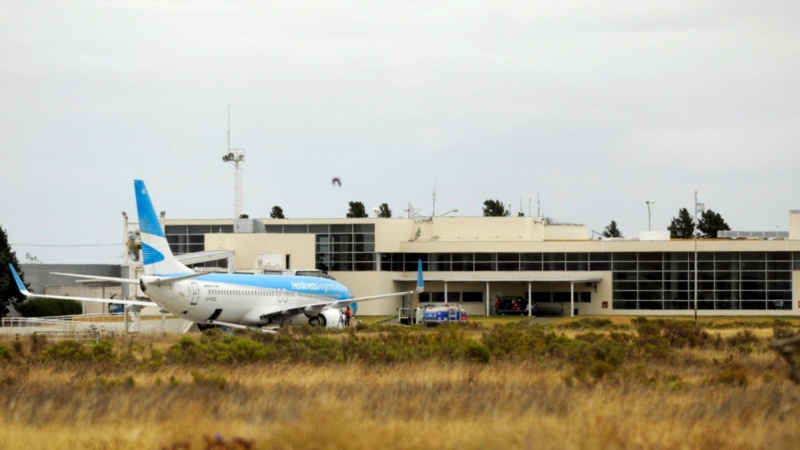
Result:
596,107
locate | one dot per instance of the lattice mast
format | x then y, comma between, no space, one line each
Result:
235,156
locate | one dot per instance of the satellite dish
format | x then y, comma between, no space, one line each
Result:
336,181
376,210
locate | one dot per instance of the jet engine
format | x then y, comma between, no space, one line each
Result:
331,318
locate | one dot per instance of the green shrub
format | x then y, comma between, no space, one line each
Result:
744,349
215,347
588,323
16,344
6,353
599,369
72,351
731,376
477,352
782,330
47,307
679,333
516,342
744,337
104,351
211,380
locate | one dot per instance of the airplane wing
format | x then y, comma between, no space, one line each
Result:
98,278
158,282
26,293
420,288
343,303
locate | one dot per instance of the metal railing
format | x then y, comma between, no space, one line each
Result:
76,323
86,336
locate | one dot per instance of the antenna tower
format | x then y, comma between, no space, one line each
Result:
235,156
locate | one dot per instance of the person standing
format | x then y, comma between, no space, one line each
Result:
347,315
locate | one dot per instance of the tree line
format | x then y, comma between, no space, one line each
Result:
709,224
681,227
491,208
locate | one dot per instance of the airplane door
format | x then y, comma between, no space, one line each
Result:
195,294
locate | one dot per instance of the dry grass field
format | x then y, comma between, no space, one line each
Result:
573,384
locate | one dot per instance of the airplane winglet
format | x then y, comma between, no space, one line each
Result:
420,281
18,280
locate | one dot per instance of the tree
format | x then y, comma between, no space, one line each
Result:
710,223
9,294
612,231
276,213
495,208
682,227
384,211
134,245
356,210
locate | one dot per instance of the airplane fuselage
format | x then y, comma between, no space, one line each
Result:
250,299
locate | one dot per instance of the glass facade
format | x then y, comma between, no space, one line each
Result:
644,280
191,239
338,247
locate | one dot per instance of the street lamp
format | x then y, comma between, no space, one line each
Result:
448,212
648,213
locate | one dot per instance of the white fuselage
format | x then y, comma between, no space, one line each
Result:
250,300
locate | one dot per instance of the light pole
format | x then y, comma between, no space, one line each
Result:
235,156
648,213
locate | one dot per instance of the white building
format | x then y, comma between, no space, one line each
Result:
471,260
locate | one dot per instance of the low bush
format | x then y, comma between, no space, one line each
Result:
48,307
589,323
67,351
6,353
744,337
679,333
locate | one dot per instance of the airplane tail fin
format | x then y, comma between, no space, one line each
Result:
420,281
156,254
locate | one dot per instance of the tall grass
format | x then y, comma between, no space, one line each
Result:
503,387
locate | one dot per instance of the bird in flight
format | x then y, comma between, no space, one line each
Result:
336,181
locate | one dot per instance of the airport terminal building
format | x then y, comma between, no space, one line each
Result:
473,260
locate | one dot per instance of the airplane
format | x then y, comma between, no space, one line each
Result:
231,300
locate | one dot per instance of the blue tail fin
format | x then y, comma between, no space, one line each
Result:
156,254
420,281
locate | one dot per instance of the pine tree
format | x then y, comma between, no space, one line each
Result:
710,223
612,231
682,227
384,211
495,208
9,294
276,213
357,210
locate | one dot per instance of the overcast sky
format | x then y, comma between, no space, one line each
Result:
596,106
